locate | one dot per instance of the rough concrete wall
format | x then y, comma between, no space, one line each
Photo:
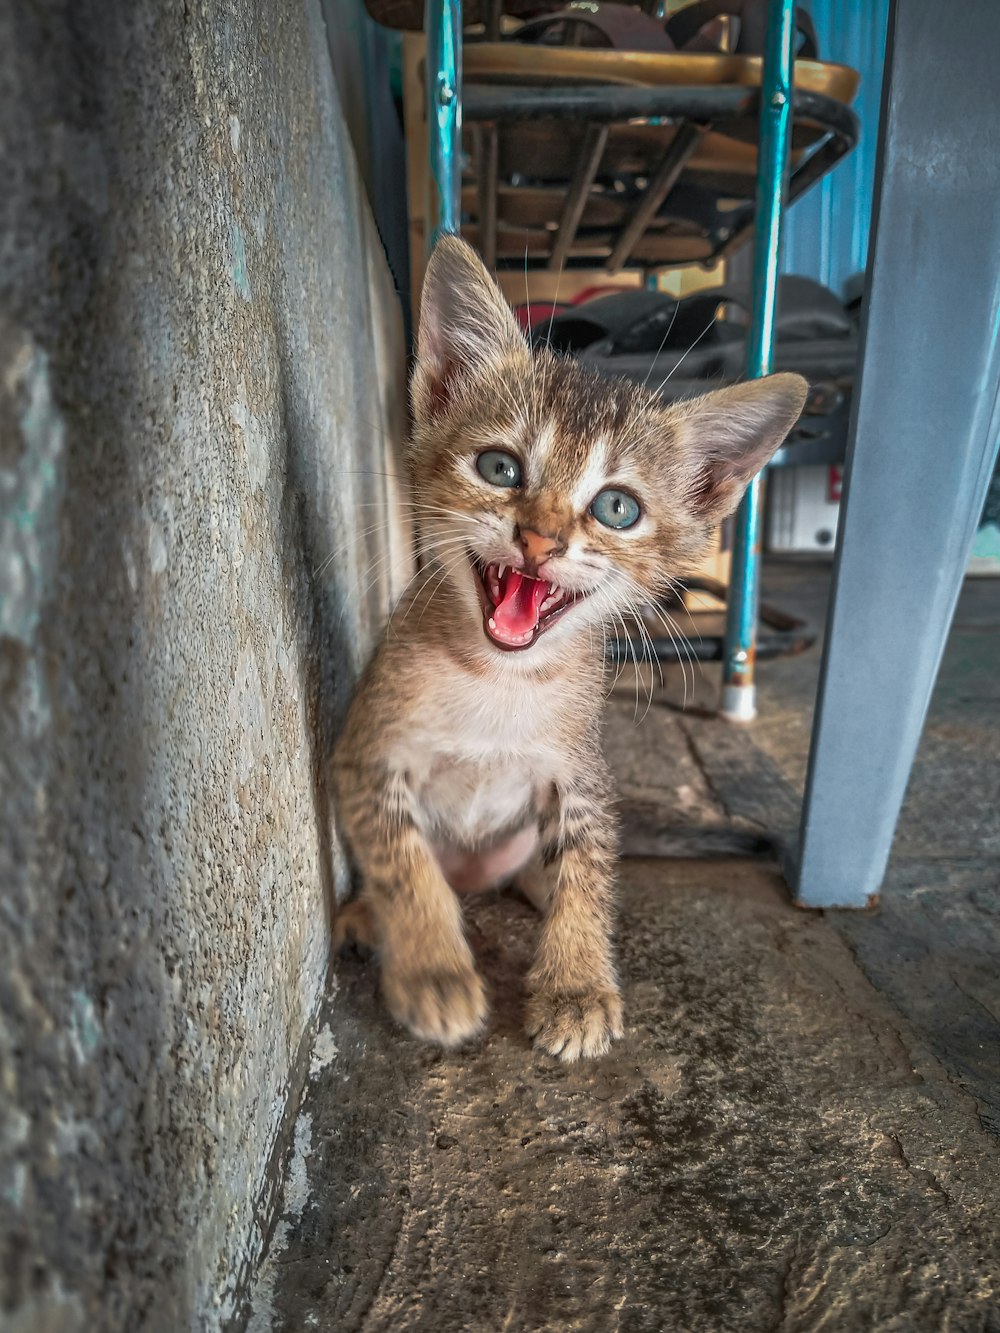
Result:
361,54
200,383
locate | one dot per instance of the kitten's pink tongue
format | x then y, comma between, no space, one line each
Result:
517,611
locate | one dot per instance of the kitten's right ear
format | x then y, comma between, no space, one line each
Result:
729,434
466,326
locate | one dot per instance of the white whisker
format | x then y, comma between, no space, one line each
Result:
663,342
659,388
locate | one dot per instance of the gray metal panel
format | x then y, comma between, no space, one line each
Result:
924,439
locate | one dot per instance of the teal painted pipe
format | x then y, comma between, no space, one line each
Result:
739,698
443,83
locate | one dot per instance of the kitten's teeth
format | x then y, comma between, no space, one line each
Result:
493,623
552,597
502,570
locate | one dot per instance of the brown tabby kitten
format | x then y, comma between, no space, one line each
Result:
549,502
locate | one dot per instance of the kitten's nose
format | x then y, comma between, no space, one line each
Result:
538,546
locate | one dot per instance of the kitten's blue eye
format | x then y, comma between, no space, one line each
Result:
499,468
616,509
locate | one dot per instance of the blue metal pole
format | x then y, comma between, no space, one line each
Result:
443,82
739,694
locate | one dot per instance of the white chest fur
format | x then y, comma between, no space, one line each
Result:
478,750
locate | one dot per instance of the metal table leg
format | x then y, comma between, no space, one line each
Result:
663,180
923,442
584,172
443,82
739,695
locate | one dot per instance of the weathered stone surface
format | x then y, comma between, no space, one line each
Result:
200,366
772,1146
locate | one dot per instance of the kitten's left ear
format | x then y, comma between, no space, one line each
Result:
727,437
466,326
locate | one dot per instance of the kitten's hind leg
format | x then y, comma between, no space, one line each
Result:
355,927
534,882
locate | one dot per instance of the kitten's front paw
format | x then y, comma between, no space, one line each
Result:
444,1006
572,1026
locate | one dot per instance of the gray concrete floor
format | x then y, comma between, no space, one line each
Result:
800,1129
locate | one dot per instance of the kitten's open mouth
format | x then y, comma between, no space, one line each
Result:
516,607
